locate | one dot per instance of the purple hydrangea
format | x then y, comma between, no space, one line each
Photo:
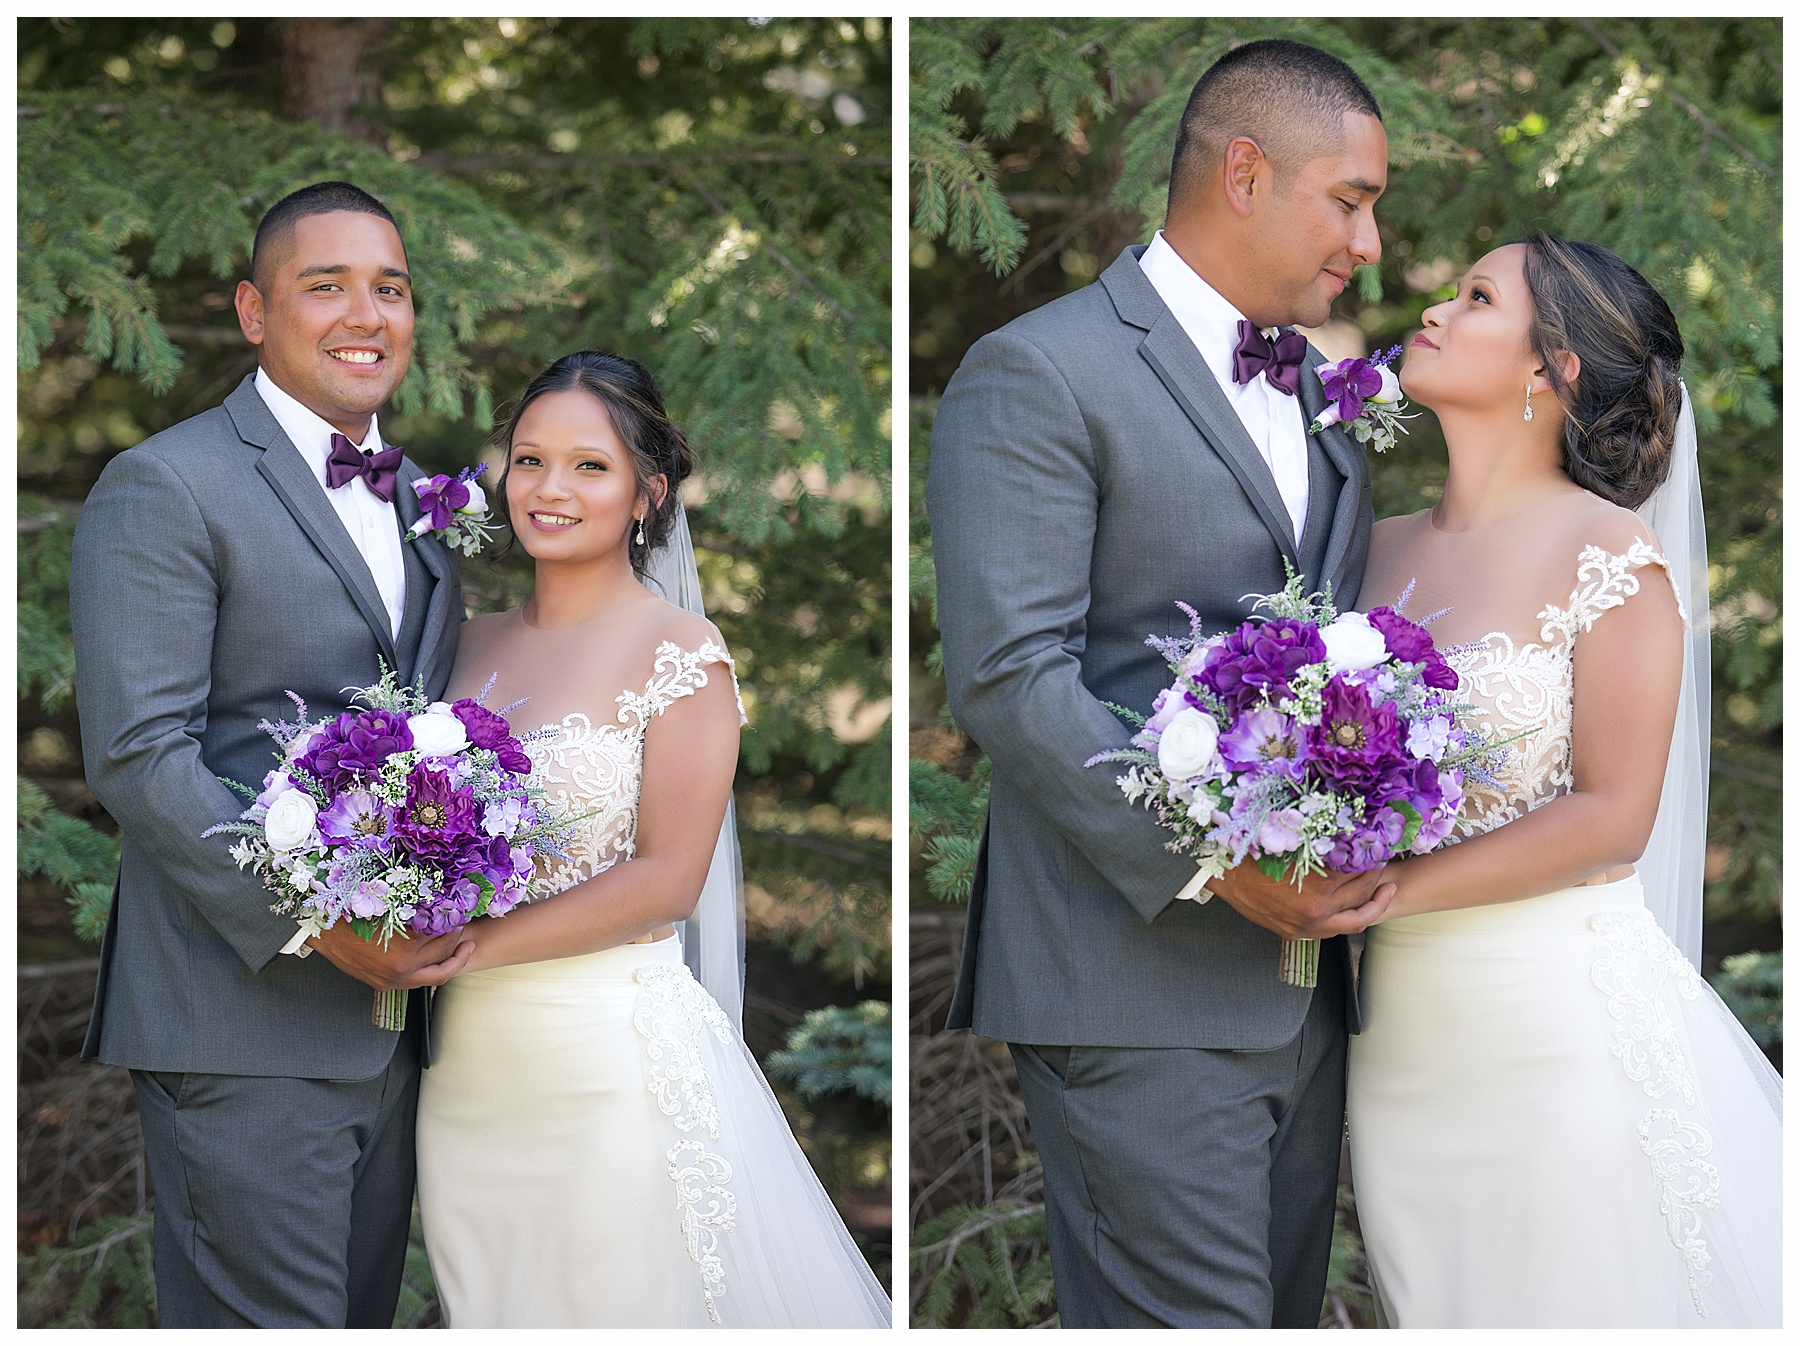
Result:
1257,660
449,910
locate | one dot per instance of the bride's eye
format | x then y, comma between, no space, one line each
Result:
1481,294
525,460
592,462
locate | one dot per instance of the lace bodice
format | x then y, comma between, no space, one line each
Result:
596,769
1529,690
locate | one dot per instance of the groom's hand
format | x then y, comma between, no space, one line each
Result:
402,965
1326,904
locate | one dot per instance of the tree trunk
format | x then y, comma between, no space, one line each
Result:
331,69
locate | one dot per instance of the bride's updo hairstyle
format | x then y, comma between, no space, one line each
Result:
634,404
1624,402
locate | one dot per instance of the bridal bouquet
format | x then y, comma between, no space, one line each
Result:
408,817
1304,740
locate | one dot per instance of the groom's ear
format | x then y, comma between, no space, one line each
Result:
1247,174
249,304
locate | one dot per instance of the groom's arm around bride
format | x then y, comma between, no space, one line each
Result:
1093,463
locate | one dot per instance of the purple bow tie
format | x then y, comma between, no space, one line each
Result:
347,463
1279,359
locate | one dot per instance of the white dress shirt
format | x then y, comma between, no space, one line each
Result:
371,521
1275,421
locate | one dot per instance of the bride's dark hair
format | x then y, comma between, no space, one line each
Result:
1625,401
634,403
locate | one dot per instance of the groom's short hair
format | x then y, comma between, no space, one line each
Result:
322,198
1291,99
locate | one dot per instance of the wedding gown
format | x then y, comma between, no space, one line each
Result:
596,1145
1553,1120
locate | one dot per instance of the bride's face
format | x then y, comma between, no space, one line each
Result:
571,485
1475,350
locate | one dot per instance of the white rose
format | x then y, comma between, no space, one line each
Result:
1352,644
478,497
1189,745
1390,386
437,735
289,825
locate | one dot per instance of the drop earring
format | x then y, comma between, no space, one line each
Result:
640,532
1527,401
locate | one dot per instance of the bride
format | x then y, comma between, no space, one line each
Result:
1553,1120
596,1144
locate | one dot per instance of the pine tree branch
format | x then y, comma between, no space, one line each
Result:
718,208
811,843
478,163
1611,48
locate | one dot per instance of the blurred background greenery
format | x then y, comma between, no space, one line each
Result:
1040,149
709,196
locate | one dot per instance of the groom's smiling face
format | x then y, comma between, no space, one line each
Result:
334,316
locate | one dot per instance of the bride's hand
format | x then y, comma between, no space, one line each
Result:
1324,905
402,965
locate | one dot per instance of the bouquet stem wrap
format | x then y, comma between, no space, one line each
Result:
390,1010
1300,962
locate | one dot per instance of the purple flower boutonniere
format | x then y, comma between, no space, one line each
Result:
1366,399
456,507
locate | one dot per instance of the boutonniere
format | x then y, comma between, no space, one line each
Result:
456,507
1366,399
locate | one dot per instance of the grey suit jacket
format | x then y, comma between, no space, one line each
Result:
211,575
1086,473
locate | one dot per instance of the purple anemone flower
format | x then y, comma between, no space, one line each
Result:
1257,660
1356,740
359,819
438,822
1265,741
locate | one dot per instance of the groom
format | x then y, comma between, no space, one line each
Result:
1133,444
254,549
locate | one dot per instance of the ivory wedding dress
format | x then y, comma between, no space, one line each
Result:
1553,1119
596,1145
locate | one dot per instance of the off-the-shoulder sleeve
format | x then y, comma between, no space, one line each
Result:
1603,581
680,673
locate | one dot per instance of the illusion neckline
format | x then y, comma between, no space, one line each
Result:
1431,522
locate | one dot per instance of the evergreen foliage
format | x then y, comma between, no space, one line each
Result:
1041,148
841,1050
101,1278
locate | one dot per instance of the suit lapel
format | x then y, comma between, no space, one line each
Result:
1347,456
1170,353
435,558
293,481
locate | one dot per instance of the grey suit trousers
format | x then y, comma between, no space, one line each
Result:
281,1202
1189,1186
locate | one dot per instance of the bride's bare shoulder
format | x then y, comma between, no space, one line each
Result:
1397,526
664,621
482,630
1589,520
